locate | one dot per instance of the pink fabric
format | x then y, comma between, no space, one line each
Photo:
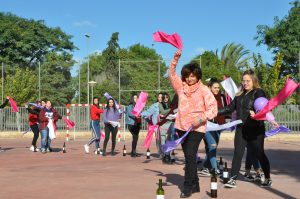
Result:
70,124
13,105
289,87
102,135
151,129
173,39
140,104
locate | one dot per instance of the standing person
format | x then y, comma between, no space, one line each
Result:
134,124
164,126
111,114
196,105
212,138
47,114
95,125
1,107
252,132
33,118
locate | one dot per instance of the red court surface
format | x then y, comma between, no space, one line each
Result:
24,174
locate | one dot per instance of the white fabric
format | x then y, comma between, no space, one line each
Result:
51,129
114,124
216,127
230,87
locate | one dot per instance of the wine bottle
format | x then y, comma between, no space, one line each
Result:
213,185
221,167
64,148
124,150
225,174
160,192
148,154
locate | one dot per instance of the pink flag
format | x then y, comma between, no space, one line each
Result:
70,124
140,104
173,39
13,105
288,89
151,129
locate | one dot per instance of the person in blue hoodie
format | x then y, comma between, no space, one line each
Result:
133,123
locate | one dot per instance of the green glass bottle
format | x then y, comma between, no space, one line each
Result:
160,192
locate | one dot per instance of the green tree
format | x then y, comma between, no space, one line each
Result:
111,57
26,41
234,55
284,37
22,86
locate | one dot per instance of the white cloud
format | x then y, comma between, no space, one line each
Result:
84,24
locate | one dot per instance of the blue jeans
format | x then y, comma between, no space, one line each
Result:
211,143
95,125
251,160
45,140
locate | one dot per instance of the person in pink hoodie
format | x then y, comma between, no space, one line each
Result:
196,105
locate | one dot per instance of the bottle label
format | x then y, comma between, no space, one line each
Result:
124,151
225,174
221,167
213,185
160,196
148,153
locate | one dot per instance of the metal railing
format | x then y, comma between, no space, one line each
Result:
288,115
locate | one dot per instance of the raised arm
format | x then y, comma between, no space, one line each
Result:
175,81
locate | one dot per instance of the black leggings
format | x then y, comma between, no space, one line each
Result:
134,130
114,130
257,147
36,132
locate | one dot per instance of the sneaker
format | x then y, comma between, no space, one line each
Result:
267,183
43,151
218,173
97,151
231,183
260,177
248,177
205,172
32,148
86,148
37,149
49,149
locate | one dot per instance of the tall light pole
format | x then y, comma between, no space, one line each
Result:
79,81
39,80
88,67
92,83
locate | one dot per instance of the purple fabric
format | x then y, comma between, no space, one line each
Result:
36,105
111,115
171,145
281,128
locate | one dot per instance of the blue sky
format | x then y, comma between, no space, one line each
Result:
203,25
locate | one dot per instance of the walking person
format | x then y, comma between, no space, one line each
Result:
1,107
250,133
95,126
196,105
134,124
111,119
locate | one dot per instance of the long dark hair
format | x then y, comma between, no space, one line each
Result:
107,105
166,105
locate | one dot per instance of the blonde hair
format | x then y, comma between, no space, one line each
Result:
254,79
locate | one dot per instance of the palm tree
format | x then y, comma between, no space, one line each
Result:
234,55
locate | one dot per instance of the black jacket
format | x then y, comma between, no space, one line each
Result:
4,104
243,104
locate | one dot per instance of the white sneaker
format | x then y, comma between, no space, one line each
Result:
97,151
32,148
86,148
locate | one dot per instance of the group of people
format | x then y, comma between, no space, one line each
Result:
198,104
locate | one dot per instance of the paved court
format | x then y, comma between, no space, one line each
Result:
24,174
